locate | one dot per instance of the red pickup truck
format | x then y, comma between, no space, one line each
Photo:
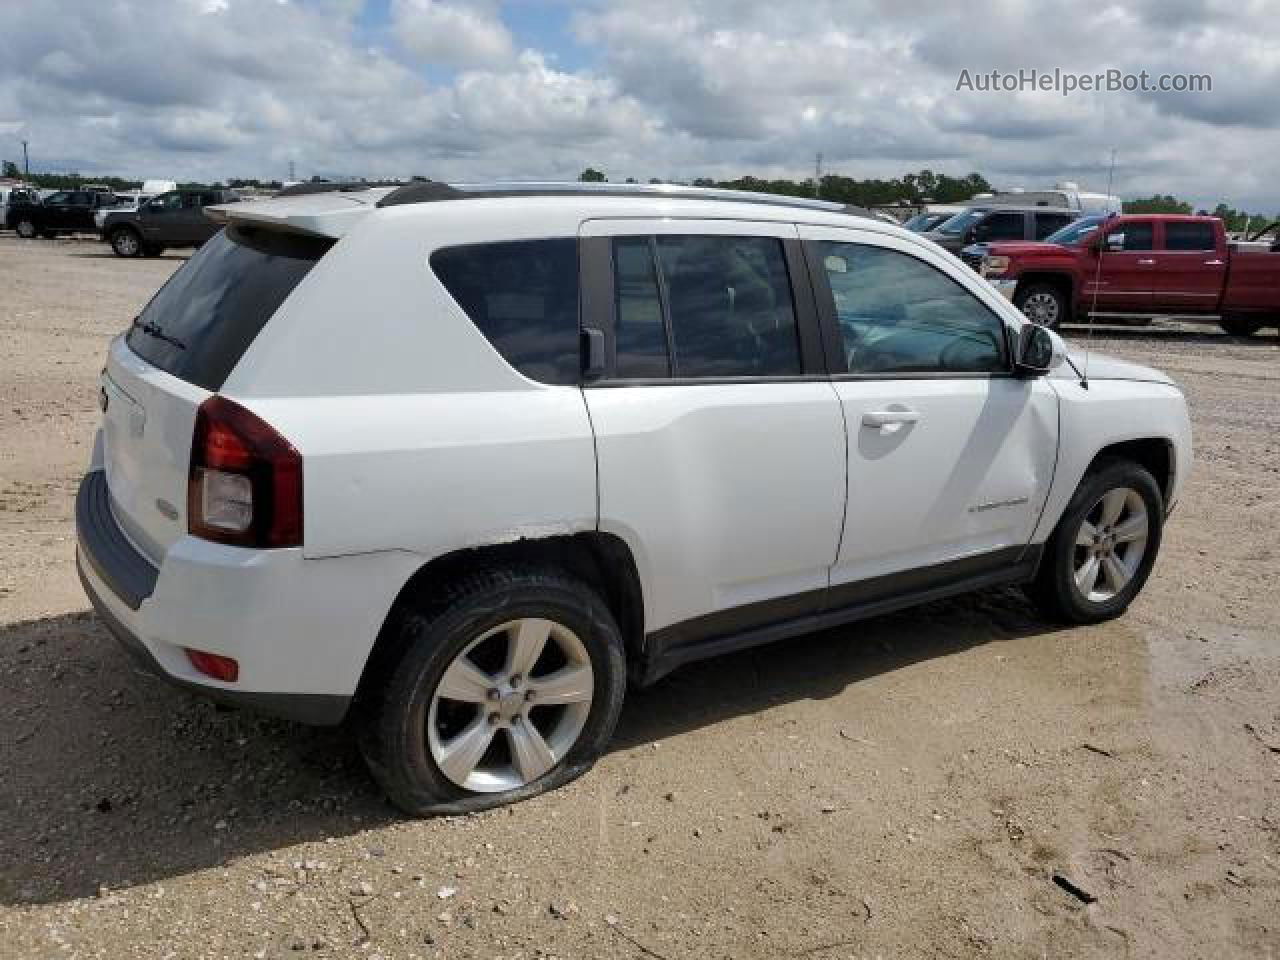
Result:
1144,266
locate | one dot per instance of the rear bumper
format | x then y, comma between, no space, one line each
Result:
300,629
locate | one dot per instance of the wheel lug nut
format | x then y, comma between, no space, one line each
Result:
493,719
517,720
515,680
494,694
528,695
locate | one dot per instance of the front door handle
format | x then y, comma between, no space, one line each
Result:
1146,263
1213,263
887,418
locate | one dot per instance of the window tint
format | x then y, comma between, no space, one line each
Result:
61,197
1048,223
170,201
1137,236
1189,236
1003,226
202,321
523,295
729,302
640,334
898,314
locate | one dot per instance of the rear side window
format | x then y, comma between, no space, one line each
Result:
1189,236
202,321
1003,226
523,296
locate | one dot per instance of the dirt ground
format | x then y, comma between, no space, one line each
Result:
908,787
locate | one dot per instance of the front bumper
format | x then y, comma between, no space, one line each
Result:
300,629
1004,285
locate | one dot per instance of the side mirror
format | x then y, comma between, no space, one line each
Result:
1115,241
1039,350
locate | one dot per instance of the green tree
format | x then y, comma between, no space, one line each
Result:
1160,203
592,175
11,170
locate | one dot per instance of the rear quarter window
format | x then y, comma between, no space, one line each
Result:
523,296
203,320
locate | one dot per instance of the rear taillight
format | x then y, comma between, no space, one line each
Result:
245,486
215,665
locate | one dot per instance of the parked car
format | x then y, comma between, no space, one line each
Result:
1144,266
990,224
173,219
459,461
1069,236
15,195
64,211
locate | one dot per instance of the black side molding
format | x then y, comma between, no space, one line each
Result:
104,546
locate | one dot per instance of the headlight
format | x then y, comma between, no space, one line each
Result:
994,266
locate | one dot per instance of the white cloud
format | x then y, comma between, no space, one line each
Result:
456,34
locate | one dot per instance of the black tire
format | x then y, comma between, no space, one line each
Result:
25,228
1240,326
1043,303
420,642
126,242
1055,590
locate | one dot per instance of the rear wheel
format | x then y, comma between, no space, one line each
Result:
126,243
507,684
1103,549
1042,303
25,229
1240,326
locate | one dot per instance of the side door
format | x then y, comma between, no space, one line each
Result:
950,454
159,218
1191,267
1125,269
720,442
55,213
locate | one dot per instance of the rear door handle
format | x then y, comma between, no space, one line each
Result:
1146,263
886,418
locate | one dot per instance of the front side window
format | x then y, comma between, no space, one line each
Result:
523,296
898,314
1135,236
168,201
1189,236
56,198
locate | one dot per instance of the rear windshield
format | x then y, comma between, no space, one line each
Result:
202,321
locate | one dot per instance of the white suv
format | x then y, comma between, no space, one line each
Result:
456,461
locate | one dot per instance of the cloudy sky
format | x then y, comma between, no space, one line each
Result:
469,89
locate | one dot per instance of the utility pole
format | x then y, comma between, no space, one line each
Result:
817,176
26,164
291,172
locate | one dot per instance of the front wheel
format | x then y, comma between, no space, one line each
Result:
1042,303
26,229
507,684
1240,326
1103,549
126,243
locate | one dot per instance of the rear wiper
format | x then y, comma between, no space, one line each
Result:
149,328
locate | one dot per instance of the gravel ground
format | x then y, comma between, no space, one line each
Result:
907,787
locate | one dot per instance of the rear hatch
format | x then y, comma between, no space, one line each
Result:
178,351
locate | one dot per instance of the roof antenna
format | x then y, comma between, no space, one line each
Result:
1097,276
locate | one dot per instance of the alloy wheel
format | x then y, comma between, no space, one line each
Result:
510,705
1041,308
1110,544
125,243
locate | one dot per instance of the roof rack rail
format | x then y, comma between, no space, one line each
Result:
428,191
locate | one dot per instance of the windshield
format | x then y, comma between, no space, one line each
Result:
961,222
925,221
1073,233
